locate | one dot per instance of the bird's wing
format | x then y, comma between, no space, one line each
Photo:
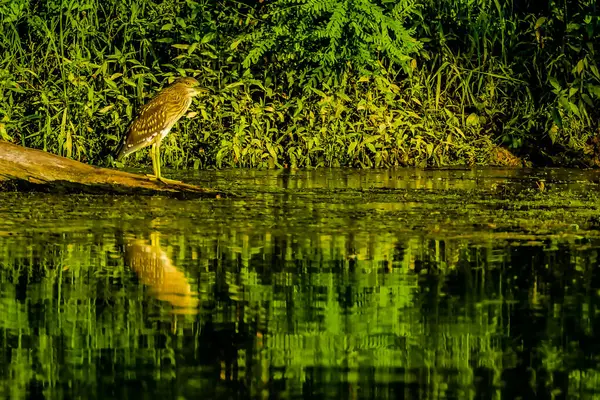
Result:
154,118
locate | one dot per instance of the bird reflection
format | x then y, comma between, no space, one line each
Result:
156,270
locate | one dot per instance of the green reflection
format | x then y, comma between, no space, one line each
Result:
287,293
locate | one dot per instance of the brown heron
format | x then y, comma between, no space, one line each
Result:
156,119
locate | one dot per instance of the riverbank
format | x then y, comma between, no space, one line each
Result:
456,84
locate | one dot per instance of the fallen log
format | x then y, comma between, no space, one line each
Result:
22,168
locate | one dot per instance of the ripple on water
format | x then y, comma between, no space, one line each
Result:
329,283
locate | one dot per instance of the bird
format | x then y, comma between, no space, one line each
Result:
155,120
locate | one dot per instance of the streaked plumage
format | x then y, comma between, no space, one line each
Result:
156,119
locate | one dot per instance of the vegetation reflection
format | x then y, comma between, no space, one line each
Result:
338,286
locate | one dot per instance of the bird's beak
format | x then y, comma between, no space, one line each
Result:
199,90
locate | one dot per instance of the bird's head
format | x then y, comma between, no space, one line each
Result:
190,85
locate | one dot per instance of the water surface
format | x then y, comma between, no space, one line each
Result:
422,284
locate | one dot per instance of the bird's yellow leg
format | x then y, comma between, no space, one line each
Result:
156,163
157,159
153,157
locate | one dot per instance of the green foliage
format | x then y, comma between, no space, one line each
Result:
74,82
571,73
540,61
307,83
331,34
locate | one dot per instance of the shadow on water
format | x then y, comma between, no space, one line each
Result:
425,284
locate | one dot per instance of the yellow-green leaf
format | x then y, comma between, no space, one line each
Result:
540,21
352,147
106,109
129,82
580,66
472,119
271,151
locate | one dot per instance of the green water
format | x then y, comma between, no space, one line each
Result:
452,284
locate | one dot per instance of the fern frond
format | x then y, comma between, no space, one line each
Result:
333,33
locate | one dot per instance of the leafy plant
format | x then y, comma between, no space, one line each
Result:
331,34
362,83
